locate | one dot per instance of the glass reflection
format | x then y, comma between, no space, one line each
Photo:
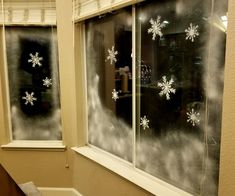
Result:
180,62
109,82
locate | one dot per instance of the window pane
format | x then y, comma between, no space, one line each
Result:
33,83
109,82
180,58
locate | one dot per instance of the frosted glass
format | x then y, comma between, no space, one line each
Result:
180,60
32,63
109,82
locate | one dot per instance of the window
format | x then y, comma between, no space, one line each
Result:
31,67
33,83
162,111
180,99
109,82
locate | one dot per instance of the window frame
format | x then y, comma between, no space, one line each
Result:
125,169
8,143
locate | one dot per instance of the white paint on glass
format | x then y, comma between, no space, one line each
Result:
112,55
29,98
166,87
35,59
156,27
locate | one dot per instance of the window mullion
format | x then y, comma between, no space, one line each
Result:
134,84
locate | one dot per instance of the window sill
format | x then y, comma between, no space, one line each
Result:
127,171
34,145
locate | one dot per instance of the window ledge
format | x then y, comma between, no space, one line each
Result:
147,182
34,145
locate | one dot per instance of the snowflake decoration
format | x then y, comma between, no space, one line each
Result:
112,55
47,82
166,87
35,59
191,32
156,28
144,122
115,95
29,98
193,117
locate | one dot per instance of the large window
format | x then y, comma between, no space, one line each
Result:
167,120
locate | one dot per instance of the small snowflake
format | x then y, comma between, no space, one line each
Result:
47,82
112,55
166,87
144,122
35,59
156,28
29,98
115,95
191,32
193,117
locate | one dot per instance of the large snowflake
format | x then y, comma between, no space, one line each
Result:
35,59
166,87
47,82
115,95
156,28
191,32
112,55
144,122
193,117
29,98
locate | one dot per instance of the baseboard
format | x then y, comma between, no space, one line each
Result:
51,191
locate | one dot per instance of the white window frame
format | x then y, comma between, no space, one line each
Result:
125,169
46,19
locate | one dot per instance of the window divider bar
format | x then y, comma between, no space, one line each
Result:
134,85
85,77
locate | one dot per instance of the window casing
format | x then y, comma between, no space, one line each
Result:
177,98
31,77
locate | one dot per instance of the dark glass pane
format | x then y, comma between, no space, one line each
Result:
109,82
180,63
33,83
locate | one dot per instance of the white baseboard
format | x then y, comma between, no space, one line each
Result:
51,191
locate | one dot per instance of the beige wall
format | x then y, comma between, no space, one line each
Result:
227,164
92,179
48,168
44,168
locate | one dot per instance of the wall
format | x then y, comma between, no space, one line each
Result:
48,168
44,168
227,164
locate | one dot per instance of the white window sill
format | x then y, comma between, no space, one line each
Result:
34,145
127,171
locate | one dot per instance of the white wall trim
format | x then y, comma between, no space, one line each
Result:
34,145
153,185
52,191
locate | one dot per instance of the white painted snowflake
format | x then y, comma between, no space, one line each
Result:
29,98
156,28
191,32
115,95
193,117
35,59
144,122
47,82
112,55
166,87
